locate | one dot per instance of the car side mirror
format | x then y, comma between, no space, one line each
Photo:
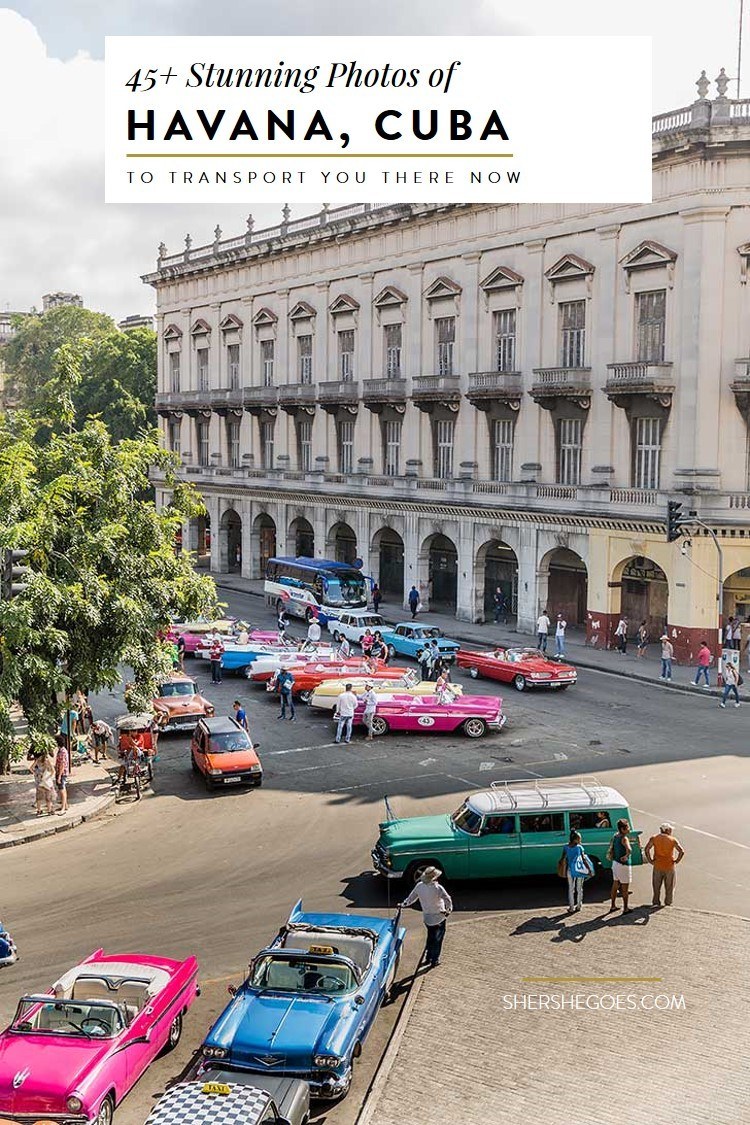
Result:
256,746
232,990
359,1000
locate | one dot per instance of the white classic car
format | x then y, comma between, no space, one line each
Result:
354,624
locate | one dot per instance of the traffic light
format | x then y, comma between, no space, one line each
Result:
15,575
674,521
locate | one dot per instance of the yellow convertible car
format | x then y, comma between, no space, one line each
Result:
325,695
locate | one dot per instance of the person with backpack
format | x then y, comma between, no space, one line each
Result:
285,686
731,677
577,866
620,853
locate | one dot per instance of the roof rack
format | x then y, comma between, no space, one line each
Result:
588,783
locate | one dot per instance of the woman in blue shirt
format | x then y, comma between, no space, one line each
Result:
578,866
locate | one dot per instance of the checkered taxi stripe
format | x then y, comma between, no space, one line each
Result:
187,1104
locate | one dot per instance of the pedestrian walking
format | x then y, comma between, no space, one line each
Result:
313,631
181,651
620,853
498,599
377,598
43,769
664,853
281,625
560,627
542,630
413,602
423,659
436,907
578,867
728,633
667,656
642,640
731,677
69,723
621,633
344,650
436,660
62,772
240,715
378,651
103,734
216,656
346,705
367,640
736,634
704,663
285,688
371,706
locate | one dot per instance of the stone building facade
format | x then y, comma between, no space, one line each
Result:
480,395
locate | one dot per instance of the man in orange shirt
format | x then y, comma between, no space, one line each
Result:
664,852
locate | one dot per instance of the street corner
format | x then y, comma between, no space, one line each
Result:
552,1007
90,795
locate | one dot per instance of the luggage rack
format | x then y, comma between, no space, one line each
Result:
588,783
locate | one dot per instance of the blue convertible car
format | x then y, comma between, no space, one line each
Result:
407,638
309,1000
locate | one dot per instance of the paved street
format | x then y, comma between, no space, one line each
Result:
216,874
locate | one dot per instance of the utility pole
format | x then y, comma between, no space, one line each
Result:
739,50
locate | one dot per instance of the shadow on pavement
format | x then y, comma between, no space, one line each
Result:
563,928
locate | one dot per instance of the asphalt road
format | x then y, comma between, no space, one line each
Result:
186,871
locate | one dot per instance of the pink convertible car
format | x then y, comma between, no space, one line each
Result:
472,715
72,1054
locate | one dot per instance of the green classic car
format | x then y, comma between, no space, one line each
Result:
513,828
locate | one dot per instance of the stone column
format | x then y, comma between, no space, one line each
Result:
249,563
465,597
219,560
415,572
527,579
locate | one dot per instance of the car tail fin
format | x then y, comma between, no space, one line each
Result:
296,912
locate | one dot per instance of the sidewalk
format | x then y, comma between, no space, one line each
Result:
578,652
89,795
486,1038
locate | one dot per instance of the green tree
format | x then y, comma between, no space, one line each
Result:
106,579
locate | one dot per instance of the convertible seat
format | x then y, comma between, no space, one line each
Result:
357,948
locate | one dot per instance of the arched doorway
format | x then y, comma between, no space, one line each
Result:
264,543
442,572
737,595
497,565
302,537
342,543
644,594
230,543
567,585
388,562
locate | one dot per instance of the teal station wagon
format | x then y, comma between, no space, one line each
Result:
513,828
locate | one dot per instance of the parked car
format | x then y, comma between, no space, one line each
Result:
513,828
354,624
408,638
223,753
178,704
72,1054
472,715
325,695
308,676
524,668
195,632
309,1000
229,1097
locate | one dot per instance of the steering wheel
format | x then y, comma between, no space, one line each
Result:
330,983
101,1027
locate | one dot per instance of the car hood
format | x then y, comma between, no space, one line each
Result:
416,829
286,1030
180,704
232,760
44,1069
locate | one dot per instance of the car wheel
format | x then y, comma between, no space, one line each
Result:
563,687
194,765
175,1033
379,725
391,651
279,605
207,782
305,696
106,1112
337,636
257,784
474,673
475,728
391,980
415,870
519,683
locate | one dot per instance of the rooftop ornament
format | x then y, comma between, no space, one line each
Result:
722,83
703,85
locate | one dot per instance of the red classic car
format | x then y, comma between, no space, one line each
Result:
472,715
308,676
522,667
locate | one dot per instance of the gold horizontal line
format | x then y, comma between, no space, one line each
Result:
318,156
593,980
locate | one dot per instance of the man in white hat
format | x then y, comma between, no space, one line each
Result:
436,906
371,704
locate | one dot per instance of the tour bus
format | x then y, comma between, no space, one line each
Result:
315,587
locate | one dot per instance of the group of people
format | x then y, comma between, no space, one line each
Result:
543,626
77,729
432,663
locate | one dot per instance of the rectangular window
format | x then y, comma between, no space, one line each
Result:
201,430
346,355
572,333
266,445
443,459
650,318
445,336
174,372
233,366
266,362
304,358
505,340
173,436
392,337
202,369
646,452
233,443
502,449
346,447
304,445
392,448
569,443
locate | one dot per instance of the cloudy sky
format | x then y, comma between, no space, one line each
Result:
56,233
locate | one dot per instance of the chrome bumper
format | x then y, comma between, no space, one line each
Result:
381,868
330,1086
499,723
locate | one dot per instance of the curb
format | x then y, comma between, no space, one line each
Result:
41,833
684,689
374,1091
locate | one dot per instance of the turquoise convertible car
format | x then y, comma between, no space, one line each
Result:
407,638
309,1000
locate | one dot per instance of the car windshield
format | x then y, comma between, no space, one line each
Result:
226,743
344,590
466,819
182,688
302,974
66,1017
432,633
372,622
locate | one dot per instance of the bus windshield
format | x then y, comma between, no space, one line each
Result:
346,589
